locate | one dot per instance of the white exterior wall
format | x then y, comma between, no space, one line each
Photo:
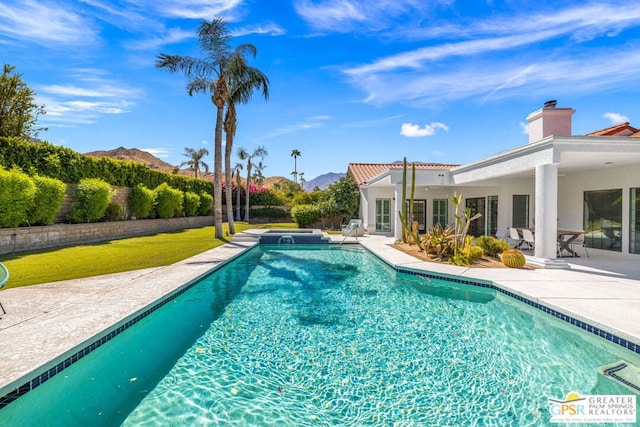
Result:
370,219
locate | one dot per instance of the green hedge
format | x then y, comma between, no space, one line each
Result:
270,213
169,201
91,200
17,193
50,194
206,204
141,201
191,203
70,166
305,215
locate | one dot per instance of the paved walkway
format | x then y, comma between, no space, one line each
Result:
49,322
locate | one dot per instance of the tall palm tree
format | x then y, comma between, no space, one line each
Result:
195,159
243,154
258,175
295,154
210,74
243,80
236,171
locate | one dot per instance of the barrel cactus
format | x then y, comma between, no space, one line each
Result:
513,258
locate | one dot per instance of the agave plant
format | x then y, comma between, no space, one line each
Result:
438,241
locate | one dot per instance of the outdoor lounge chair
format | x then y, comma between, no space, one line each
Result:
529,240
515,236
354,228
4,276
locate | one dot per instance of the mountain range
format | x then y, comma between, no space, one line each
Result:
136,155
323,181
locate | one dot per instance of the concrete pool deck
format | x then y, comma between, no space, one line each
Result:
47,323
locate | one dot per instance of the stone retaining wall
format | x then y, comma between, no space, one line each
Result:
32,238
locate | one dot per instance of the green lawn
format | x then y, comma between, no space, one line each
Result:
31,268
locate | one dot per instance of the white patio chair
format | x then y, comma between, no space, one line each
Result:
515,236
529,240
579,241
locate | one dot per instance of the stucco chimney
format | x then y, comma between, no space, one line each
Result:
549,120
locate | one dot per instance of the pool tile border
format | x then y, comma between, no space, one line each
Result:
629,345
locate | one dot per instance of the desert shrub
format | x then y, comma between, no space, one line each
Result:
115,212
206,204
305,215
141,200
91,199
48,199
17,192
459,258
438,241
491,245
191,203
475,253
169,201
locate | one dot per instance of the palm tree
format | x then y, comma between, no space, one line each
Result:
195,159
210,75
236,172
243,80
258,175
243,154
294,174
295,154
302,180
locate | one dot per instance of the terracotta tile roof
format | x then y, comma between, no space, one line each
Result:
363,172
623,129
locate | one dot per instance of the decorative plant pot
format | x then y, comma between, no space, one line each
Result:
513,258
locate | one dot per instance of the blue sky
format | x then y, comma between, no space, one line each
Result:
441,81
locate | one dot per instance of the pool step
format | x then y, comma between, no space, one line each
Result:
624,373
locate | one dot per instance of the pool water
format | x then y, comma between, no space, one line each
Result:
307,335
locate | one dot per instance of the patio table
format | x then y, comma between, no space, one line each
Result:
565,237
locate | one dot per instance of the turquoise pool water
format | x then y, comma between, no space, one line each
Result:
326,336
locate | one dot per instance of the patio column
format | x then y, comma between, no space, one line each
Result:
397,207
546,219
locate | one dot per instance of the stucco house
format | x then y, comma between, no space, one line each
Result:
558,181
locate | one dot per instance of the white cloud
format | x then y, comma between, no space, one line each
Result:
414,131
364,15
45,24
171,36
616,118
90,96
501,56
524,128
269,28
197,9
313,123
331,14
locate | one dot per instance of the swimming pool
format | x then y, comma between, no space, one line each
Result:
324,336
